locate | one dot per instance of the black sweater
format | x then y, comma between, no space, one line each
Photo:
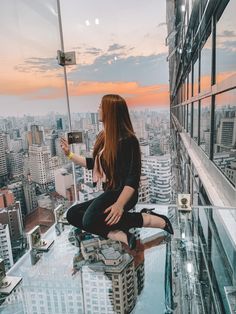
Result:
127,165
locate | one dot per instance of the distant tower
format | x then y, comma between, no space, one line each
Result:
59,124
5,246
41,165
3,162
35,135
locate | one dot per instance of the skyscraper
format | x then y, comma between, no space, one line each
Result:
41,165
158,171
35,135
59,124
3,162
5,246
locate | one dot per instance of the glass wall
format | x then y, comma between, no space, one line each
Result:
224,128
225,43
189,117
206,57
225,134
120,56
205,124
195,121
33,116
195,77
190,85
186,117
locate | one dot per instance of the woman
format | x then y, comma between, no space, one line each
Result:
116,164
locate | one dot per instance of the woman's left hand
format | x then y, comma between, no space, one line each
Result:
115,214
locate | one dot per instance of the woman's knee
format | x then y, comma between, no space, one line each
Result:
88,223
74,216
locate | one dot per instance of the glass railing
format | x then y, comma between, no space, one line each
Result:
81,273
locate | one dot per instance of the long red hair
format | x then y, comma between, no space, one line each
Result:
117,125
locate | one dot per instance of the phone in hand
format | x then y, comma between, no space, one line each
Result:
74,137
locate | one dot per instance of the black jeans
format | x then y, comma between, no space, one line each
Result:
90,216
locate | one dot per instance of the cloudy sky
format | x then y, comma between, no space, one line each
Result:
119,45
119,48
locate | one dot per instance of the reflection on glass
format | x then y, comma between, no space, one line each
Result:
225,43
195,121
225,134
186,117
205,122
33,119
189,117
186,88
95,275
195,78
190,85
205,82
83,273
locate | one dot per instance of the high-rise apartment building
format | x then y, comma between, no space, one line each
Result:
35,135
41,165
12,216
5,246
15,164
109,280
59,124
158,171
19,195
63,181
144,193
226,135
3,162
30,195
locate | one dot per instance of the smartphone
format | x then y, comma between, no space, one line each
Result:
74,137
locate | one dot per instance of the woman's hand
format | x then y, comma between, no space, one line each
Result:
64,146
115,214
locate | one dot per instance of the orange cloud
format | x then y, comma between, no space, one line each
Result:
132,91
41,87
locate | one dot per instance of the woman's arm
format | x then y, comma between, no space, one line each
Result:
125,196
80,160
116,210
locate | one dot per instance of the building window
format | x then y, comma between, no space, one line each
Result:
195,77
205,124
206,56
190,85
195,121
225,133
189,117
225,43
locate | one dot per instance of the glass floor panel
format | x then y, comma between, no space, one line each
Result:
193,271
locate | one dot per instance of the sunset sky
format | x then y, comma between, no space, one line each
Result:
119,45
119,48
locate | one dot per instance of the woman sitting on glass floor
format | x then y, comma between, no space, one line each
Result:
116,164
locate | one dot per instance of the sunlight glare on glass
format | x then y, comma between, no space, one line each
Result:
189,267
182,8
87,23
97,21
51,9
